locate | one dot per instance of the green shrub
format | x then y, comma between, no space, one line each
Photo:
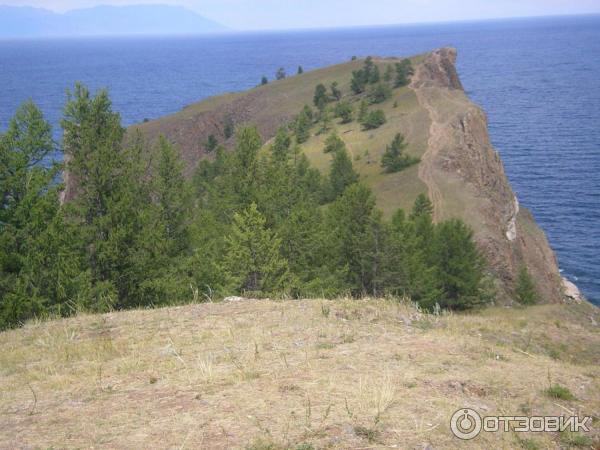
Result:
559,392
374,119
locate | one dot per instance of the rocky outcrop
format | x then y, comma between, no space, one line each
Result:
462,169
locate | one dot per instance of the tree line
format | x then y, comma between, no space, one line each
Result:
251,222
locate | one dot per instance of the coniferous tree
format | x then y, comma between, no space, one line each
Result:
300,70
320,98
525,290
211,143
333,144
380,93
335,91
355,228
343,110
281,145
374,119
303,124
280,74
459,265
39,270
264,80
253,258
394,159
341,173
111,198
404,71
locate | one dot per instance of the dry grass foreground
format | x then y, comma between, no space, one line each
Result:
295,374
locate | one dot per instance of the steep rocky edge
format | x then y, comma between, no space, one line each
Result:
459,168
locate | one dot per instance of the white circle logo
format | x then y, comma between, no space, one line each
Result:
465,424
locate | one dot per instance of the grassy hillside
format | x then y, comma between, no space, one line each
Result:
295,374
276,103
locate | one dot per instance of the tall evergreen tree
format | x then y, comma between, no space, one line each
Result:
459,265
39,270
112,195
341,173
394,159
253,258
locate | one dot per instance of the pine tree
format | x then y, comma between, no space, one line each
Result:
459,265
281,145
525,290
280,74
300,70
211,143
394,160
341,173
335,92
356,233
334,143
303,125
374,119
320,98
253,258
112,195
380,93
264,80
39,268
408,270
404,71
344,111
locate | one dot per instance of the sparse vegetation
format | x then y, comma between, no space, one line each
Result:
280,74
559,392
374,119
525,290
394,159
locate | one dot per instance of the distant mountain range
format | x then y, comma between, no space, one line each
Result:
18,22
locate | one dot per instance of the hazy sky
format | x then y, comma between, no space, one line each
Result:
278,14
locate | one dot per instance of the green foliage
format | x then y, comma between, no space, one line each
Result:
369,74
404,71
320,98
459,265
135,233
344,111
363,111
264,80
335,92
280,74
39,269
228,128
388,74
303,124
253,260
211,143
300,70
341,172
380,93
281,145
374,119
394,159
525,290
333,144
559,392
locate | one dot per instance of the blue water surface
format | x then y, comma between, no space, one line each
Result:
538,80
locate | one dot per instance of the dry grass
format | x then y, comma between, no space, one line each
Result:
263,374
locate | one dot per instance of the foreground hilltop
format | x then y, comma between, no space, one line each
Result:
459,169
299,375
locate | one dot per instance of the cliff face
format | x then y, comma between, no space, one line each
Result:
459,168
462,169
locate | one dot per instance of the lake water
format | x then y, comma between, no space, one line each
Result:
538,80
